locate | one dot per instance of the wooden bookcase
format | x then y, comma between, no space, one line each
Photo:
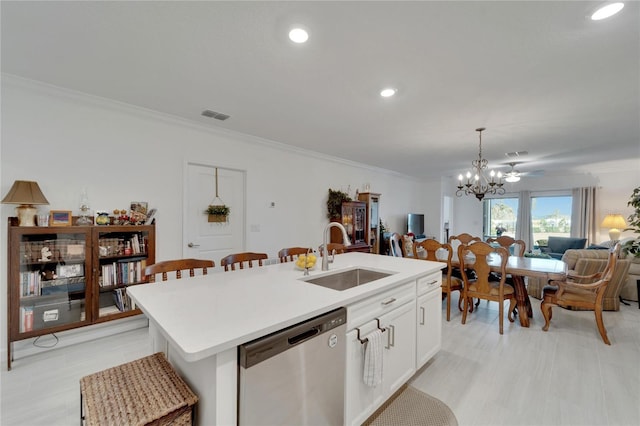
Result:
354,220
64,277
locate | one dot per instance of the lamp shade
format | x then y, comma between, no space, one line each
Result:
25,192
614,222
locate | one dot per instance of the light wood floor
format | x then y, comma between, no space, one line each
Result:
566,376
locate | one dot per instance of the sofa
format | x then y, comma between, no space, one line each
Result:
587,262
556,246
630,288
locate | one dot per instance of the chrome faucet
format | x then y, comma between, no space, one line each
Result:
325,234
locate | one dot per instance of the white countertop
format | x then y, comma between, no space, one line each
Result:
205,315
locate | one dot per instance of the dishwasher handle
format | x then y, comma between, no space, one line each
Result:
303,336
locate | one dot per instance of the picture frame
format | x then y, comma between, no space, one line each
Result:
70,271
60,218
138,212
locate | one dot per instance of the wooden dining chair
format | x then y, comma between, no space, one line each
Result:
289,254
338,247
232,260
177,266
482,287
449,283
573,293
520,247
395,245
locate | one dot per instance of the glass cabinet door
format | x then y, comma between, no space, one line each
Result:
123,254
50,283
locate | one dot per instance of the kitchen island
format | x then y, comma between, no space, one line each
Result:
199,322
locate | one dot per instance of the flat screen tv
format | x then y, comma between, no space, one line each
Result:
415,223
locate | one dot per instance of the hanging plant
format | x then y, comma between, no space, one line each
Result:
218,213
217,210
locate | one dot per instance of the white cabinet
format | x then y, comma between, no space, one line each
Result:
395,310
411,316
360,400
428,317
399,358
429,326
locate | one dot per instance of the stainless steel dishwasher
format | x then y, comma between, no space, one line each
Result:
295,376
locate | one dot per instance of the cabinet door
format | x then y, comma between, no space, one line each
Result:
49,280
121,254
360,400
429,326
399,355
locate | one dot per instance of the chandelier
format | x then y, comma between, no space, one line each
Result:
478,181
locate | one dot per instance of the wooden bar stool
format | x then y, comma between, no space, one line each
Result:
142,392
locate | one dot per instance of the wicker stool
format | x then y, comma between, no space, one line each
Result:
147,391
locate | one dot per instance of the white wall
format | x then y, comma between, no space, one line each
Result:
68,141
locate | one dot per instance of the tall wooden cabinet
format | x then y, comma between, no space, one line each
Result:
372,201
354,220
61,278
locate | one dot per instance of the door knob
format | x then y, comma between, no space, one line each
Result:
191,245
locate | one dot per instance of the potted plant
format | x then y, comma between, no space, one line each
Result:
334,204
218,213
632,247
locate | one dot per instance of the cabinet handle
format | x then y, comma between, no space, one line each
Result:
388,346
191,245
433,282
392,335
422,320
388,302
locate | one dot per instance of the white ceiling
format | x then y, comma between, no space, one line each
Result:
539,75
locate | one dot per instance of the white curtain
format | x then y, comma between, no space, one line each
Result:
584,214
524,230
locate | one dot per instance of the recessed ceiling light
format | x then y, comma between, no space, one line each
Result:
298,35
385,93
607,10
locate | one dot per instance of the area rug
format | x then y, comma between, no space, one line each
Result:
413,407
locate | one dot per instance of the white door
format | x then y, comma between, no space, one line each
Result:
210,240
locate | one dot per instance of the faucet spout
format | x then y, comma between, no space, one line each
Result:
325,238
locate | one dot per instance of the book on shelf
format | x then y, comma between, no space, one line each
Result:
121,300
108,310
123,271
26,319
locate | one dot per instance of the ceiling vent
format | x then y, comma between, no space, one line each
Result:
213,114
516,154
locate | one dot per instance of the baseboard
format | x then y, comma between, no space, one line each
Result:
25,348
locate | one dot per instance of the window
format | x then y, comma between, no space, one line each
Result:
550,215
500,217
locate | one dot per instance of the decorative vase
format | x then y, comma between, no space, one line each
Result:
103,219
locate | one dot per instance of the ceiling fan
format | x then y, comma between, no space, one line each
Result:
514,175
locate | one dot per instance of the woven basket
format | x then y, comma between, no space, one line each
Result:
217,218
147,391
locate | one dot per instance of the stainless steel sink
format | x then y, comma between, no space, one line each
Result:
348,279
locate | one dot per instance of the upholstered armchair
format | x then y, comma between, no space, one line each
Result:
587,262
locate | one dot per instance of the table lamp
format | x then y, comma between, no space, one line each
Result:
26,193
614,222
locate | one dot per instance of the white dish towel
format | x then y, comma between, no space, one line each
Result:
372,375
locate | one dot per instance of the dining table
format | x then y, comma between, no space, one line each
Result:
518,268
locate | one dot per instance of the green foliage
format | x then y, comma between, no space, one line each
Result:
633,247
334,203
219,210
